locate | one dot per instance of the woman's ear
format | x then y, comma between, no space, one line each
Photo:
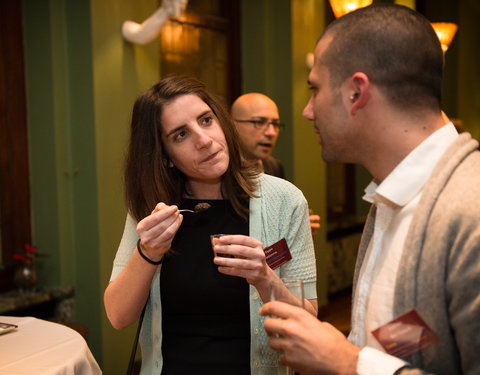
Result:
167,163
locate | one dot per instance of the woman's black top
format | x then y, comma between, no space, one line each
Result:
205,314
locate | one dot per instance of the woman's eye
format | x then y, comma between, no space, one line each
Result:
207,120
180,136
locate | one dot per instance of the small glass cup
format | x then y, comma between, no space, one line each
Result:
213,239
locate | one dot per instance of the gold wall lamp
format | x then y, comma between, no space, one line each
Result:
445,32
341,7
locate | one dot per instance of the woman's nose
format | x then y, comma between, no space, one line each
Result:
203,140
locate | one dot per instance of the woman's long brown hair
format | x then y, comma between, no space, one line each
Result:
148,178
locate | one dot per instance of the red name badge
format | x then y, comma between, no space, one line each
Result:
277,254
405,335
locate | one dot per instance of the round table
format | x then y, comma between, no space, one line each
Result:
40,347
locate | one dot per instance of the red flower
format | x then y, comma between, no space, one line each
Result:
30,248
28,255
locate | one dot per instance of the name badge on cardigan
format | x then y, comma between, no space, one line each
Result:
405,335
277,254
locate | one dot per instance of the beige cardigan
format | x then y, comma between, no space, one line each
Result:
439,273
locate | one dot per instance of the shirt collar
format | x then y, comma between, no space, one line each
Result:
409,176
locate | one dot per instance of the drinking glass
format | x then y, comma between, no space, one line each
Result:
213,240
288,291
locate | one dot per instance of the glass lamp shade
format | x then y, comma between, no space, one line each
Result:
341,7
445,32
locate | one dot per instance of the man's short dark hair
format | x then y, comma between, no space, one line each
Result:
395,47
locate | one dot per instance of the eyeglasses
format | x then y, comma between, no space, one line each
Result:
262,123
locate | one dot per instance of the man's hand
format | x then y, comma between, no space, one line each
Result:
307,344
314,224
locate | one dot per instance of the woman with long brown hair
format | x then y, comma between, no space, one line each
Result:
202,313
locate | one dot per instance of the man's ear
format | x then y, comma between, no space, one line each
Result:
359,91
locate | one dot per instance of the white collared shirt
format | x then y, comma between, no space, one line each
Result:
396,199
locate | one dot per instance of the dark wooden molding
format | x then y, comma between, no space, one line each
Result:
15,225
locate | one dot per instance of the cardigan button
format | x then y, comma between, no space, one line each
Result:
256,364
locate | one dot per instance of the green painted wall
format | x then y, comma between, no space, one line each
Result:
267,62
62,151
82,79
309,169
273,59
121,72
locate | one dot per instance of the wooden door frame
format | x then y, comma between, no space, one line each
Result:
15,216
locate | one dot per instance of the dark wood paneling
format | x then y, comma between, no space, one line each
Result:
14,177
205,42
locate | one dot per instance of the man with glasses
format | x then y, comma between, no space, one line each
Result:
258,124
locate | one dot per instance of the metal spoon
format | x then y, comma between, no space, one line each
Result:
199,207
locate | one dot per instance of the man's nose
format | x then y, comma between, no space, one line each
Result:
308,111
271,130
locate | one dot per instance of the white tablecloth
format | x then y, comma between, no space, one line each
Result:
39,347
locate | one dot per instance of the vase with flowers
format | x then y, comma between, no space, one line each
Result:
25,276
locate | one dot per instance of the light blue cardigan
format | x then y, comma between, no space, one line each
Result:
279,211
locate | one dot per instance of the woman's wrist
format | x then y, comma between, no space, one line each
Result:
264,286
145,257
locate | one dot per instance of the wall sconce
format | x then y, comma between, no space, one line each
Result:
341,7
445,32
150,28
